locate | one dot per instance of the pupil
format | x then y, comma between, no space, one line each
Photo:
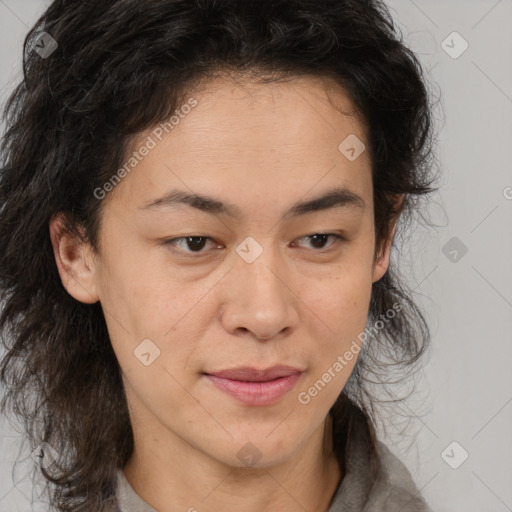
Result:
196,242
316,238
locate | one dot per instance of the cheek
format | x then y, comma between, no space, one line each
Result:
135,293
340,301
341,311
152,392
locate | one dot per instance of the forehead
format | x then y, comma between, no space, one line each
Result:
249,113
250,137
284,110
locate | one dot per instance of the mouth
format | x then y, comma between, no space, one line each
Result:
256,387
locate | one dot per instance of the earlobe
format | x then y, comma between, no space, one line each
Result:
74,262
381,265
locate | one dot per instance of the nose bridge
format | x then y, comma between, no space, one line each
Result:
260,269
263,303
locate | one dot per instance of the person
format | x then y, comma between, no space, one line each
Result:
199,202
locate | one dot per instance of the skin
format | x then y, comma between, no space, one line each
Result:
261,147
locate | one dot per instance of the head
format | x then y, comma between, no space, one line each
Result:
204,187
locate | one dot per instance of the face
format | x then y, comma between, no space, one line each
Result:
243,240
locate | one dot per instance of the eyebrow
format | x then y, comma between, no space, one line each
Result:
334,198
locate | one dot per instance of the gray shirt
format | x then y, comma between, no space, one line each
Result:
392,491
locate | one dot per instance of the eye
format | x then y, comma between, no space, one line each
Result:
319,239
190,244
196,244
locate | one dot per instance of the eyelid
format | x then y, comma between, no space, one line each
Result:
339,239
170,242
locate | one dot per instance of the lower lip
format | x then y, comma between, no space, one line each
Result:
256,393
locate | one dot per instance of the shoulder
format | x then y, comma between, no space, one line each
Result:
127,499
394,488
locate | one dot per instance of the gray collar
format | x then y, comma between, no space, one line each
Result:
391,491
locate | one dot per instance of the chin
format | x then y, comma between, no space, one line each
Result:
259,449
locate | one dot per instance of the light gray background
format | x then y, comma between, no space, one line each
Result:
465,392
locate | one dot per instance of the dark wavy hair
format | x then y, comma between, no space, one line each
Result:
123,66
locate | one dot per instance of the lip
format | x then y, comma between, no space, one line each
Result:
256,387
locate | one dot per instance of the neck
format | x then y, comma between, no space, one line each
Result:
306,481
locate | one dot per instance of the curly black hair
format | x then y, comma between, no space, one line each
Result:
118,67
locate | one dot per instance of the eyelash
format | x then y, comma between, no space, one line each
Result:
171,242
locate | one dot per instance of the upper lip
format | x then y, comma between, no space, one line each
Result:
249,374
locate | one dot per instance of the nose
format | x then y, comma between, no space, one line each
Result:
259,298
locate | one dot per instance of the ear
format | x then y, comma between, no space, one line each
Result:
75,262
381,263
